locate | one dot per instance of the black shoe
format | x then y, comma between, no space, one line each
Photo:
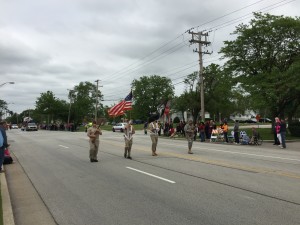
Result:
128,157
95,160
91,160
125,155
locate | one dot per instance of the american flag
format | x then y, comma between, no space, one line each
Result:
122,106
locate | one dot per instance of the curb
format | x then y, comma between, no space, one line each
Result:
8,217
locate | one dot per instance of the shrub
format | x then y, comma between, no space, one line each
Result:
176,120
294,128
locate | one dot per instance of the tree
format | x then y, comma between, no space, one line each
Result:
46,104
84,104
264,59
220,96
3,107
149,92
191,95
179,104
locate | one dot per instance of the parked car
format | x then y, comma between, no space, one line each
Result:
31,126
119,127
265,120
250,121
14,126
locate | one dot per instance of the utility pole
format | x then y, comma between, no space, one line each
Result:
197,38
97,81
71,93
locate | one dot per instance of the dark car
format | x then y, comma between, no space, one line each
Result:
250,121
265,120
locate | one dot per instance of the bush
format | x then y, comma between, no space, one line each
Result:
176,120
294,128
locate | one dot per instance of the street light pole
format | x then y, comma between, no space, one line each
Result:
6,83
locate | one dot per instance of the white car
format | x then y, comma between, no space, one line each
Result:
31,126
119,127
14,126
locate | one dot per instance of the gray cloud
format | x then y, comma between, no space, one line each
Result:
54,45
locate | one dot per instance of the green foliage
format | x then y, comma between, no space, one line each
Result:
263,60
220,97
84,102
48,107
176,120
149,92
179,104
3,107
294,128
190,99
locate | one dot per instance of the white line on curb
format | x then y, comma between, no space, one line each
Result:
152,175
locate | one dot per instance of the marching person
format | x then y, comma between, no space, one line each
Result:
153,130
93,133
128,134
189,134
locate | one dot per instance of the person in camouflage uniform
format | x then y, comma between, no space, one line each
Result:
189,134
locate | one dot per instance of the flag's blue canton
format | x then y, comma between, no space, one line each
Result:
129,97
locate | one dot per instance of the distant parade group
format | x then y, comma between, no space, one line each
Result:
153,127
188,130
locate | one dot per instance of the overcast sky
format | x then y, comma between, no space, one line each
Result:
54,45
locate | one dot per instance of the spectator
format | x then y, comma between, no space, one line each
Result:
283,133
201,130
254,135
236,132
277,129
145,127
276,141
3,128
207,130
225,131
245,139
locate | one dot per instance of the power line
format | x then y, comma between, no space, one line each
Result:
178,45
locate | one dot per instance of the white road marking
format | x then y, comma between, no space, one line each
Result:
63,146
152,175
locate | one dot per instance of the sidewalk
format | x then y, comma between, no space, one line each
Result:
8,218
20,201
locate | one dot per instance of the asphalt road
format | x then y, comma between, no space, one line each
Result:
218,184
